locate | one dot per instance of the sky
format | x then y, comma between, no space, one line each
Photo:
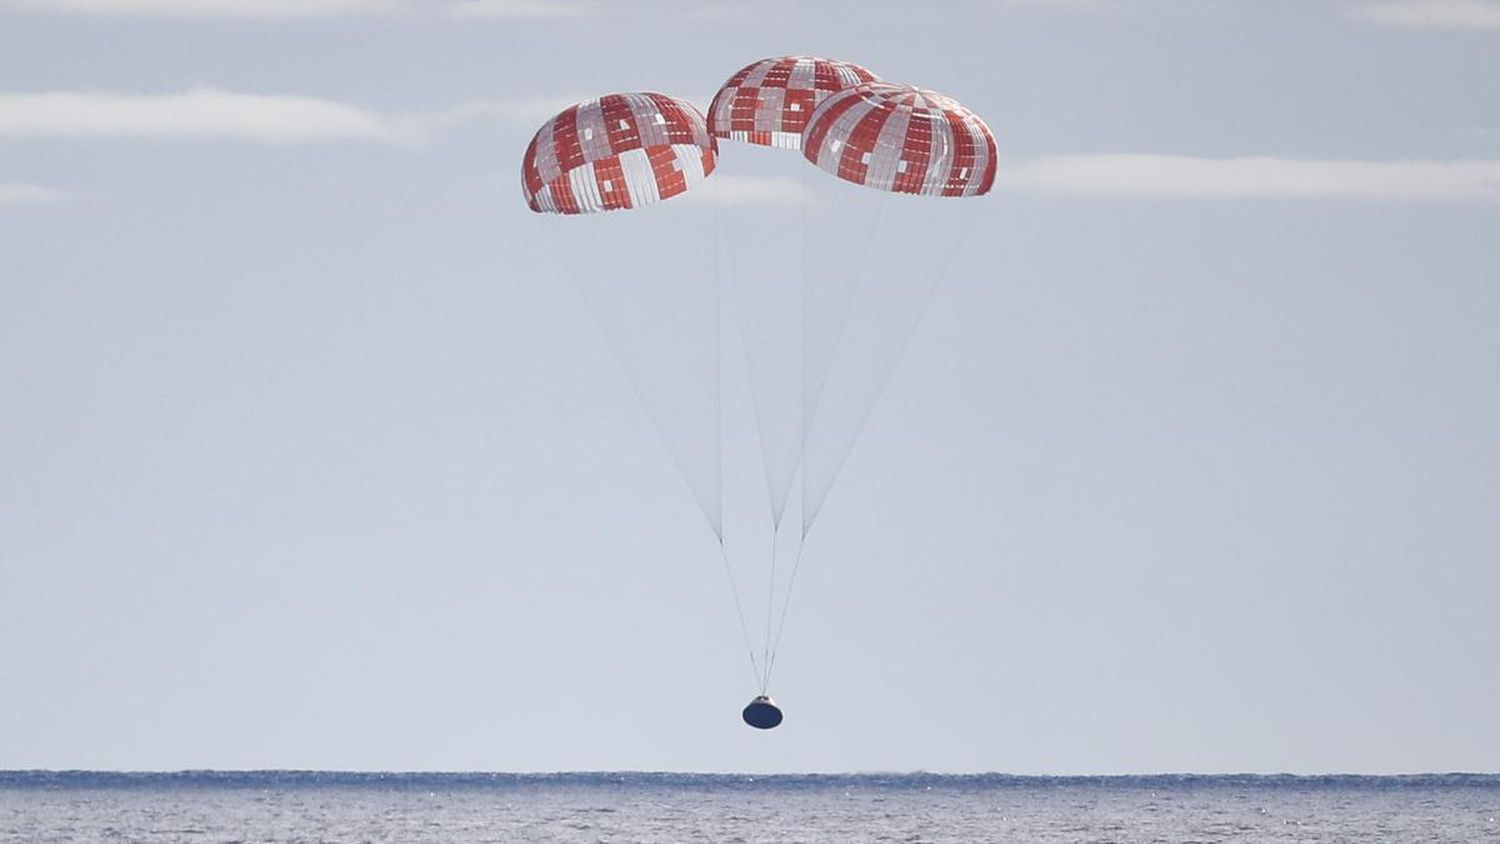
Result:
311,456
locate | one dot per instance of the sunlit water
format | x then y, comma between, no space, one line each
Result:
303,806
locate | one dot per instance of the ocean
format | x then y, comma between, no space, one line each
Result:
275,806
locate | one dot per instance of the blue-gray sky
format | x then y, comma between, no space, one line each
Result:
310,457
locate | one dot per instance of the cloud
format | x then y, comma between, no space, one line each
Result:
711,14
1432,14
1054,4
724,189
244,9
514,9
526,111
23,194
1258,177
214,114
282,10
197,114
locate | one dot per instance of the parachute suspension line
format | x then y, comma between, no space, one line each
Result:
942,274
734,587
838,340
785,605
735,286
610,343
773,639
922,307
564,258
765,681
810,409
739,611
805,423
773,642
718,283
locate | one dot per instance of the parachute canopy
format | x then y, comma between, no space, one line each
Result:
767,102
617,151
901,139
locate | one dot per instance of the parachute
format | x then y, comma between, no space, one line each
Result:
618,151
902,139
824,286
767,102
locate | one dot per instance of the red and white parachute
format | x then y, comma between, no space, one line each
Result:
617,151
767,102
902,139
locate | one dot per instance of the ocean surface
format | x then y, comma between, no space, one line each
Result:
40,806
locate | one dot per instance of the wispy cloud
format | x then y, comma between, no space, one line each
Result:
199,113
1054,4
286,10
1257,177
526,111
710,13
24,194
515,9
206,113
243,9
725,189
1432,14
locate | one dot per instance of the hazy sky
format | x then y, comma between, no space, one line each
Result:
310,457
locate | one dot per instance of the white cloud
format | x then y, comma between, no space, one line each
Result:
214,114
1054,4
514,9
711,14
1258,177
724,189
197,114
23,194
525,111
528,111
244,9
280,10
1432,14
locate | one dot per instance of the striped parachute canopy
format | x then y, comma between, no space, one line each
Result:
617,151
768,102
901,139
